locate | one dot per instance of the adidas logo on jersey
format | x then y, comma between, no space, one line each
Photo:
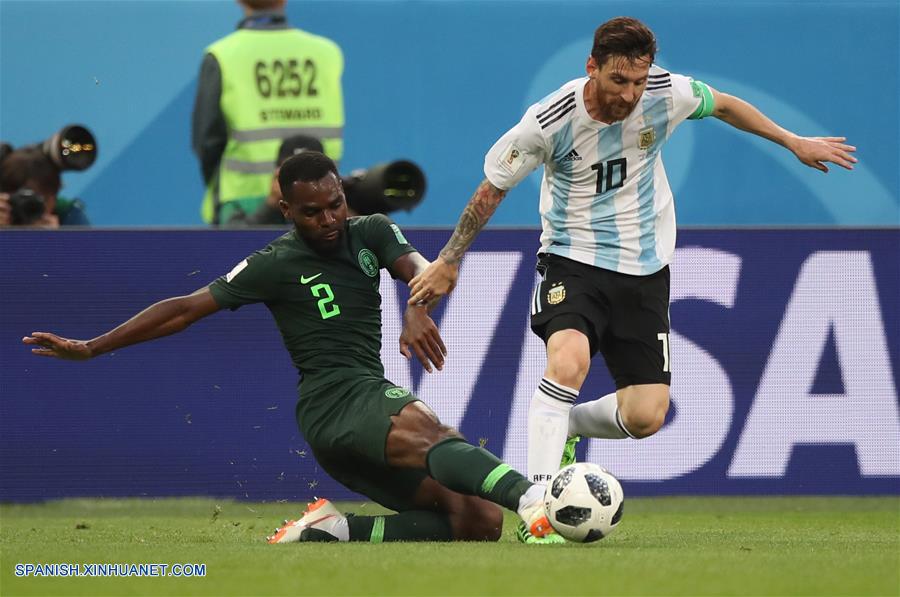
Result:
572,156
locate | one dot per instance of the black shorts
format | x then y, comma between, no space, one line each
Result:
346,423
626,318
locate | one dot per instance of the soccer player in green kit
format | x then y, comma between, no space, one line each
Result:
320,282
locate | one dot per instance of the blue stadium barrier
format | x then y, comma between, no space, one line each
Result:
784,347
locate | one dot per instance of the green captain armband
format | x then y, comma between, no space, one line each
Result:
707,103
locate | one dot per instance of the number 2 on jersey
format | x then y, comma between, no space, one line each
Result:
325,307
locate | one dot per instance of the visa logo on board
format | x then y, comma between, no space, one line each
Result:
835,296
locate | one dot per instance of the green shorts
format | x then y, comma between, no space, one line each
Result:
346,423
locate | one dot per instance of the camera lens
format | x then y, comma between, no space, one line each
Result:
385,188
404,185
72,148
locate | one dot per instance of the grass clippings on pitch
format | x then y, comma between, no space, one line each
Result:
664,546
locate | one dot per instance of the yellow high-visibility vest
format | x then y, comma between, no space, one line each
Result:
275,84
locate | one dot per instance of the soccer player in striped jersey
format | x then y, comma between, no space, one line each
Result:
608,235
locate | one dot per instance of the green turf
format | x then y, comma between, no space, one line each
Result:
670,546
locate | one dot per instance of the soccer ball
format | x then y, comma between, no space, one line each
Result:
583,502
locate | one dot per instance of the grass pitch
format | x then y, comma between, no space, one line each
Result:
665,546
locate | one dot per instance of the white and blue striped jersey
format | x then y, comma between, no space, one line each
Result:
605,199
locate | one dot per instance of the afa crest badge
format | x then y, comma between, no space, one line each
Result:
646,138
556,295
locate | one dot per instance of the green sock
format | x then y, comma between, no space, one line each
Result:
460,466
413,525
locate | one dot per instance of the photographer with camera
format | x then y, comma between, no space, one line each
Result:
382,189
269,213
31,178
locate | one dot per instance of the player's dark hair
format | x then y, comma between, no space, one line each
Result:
307,166
623,36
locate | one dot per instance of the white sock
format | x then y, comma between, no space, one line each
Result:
341,529
548,428
531,499
598,418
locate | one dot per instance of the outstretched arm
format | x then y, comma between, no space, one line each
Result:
439,278
420,333
160,319
812,151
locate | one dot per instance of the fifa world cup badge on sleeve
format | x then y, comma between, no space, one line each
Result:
236,270
511,159
399,235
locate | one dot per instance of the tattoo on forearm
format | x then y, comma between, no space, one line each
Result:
476,214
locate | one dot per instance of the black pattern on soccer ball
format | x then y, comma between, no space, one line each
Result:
618,515
561,480
593,535
573,515
599,488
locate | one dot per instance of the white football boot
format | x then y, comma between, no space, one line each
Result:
318,523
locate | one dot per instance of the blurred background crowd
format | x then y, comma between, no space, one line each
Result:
167,113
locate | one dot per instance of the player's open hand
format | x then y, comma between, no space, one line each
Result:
816,151
437,280
51,345
421,334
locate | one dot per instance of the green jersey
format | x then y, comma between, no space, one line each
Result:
327,307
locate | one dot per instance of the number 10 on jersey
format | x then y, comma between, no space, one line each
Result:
610,175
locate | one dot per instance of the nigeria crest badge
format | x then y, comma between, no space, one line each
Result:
396,393
368,262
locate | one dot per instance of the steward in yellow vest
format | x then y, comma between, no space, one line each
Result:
257,86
